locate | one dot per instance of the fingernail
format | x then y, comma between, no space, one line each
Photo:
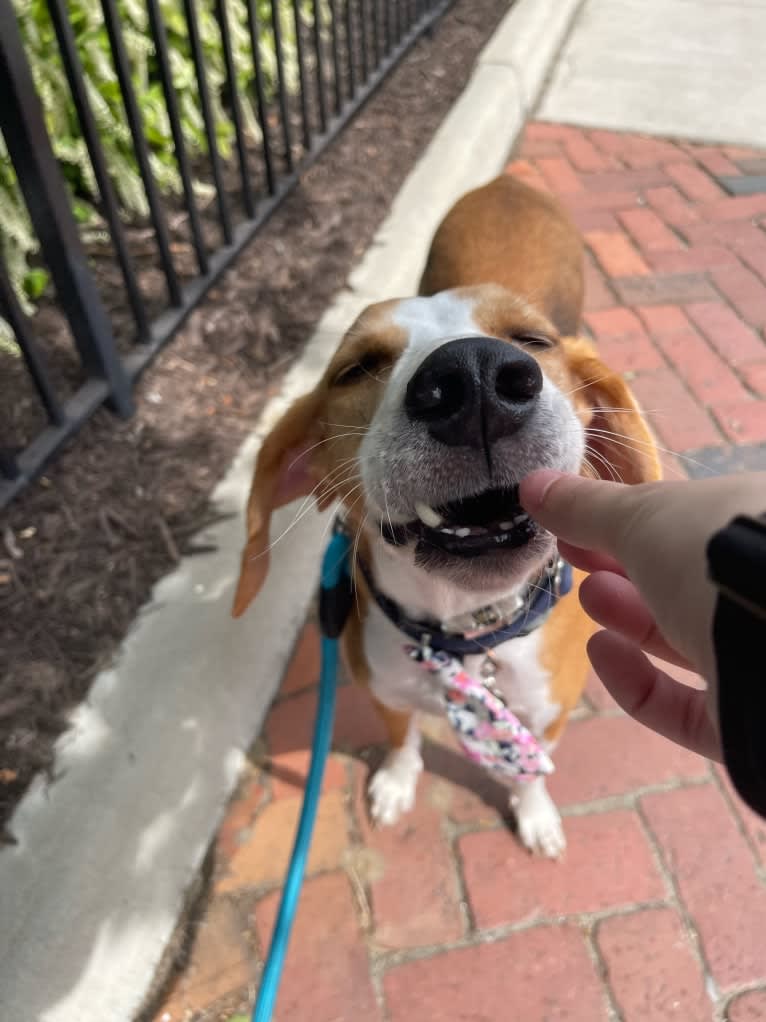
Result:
534,488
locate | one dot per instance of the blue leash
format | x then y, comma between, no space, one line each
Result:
335,597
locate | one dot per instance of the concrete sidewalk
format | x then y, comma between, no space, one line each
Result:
659,908
691,69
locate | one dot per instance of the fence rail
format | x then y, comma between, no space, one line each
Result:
340,51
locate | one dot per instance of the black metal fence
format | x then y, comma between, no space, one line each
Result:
113,326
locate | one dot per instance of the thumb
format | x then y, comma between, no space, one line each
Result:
588,513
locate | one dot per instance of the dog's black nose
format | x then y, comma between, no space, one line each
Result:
473,391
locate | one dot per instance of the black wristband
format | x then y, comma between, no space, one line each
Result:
737,566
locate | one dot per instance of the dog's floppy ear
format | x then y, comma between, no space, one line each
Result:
619,443
283,472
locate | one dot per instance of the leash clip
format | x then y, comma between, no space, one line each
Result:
488,674
336,590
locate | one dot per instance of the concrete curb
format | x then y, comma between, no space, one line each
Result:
90,895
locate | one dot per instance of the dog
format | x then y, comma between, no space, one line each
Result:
431,411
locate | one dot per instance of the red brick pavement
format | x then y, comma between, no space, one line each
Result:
658,910
677,283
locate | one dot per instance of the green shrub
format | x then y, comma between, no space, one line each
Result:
16,236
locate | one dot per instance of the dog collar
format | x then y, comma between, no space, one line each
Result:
488,626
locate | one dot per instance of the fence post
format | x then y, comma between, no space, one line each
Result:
42,185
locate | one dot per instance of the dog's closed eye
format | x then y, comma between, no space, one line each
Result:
534,342
527,339
372,363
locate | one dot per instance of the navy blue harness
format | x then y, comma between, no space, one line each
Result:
542,598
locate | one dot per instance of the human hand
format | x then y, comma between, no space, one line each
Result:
645,547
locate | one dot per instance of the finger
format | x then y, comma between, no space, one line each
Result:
589,560
652,697
588,513
615,603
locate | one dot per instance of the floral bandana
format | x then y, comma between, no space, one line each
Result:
490,734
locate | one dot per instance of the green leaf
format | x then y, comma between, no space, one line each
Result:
35,282
17,239
83,211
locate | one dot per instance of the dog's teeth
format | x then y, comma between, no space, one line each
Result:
428,516
448,531
505,526
519,519
462,532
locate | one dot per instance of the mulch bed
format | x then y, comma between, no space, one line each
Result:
81,549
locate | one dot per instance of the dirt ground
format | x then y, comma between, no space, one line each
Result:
81,548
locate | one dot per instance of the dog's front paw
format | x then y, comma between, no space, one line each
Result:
392,788
539,825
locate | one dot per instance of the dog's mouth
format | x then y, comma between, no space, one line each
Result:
469,527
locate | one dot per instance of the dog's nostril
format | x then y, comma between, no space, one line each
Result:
436,395
518,382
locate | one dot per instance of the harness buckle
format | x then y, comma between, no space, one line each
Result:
486,619
556,575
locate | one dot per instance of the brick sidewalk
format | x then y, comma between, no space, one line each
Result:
658,910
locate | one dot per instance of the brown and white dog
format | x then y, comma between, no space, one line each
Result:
431,411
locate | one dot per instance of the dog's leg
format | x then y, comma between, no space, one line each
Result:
392,788
539,824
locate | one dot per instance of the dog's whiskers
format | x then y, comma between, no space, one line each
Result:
620,439
345,425
608,465
589,465
319,443
590,382
307,504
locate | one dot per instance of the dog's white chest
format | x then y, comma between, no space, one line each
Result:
401,684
